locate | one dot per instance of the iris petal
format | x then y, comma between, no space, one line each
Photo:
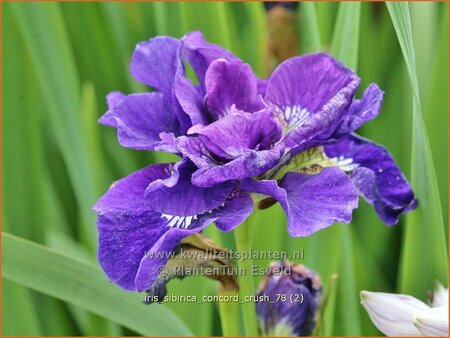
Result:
231,83
232,135
311,202
156,62
170,196
309,94
140,118
135,241
201,53
377,177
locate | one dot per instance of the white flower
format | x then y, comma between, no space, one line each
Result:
403,315
440,296
433,322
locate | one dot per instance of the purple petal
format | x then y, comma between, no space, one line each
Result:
377,177
309,94
135,241
190,100
230,136
249,163
127,227
113,98
201,53
155,62
311,202
262,87
140,118
235,212
231,83
361,111
177,196
227,217
195,150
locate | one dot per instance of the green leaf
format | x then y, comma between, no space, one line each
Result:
344,45
44,32
424,253
53,273
436,108
16,304
309,26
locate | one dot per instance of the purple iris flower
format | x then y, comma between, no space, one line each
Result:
290,137
288,300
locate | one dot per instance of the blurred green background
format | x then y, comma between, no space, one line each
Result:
61,59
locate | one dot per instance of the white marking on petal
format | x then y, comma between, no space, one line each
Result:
345,164
180,222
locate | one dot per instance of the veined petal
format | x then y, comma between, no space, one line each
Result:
140,118
309,94
191,101
250,163
127,227
433,322
230,136
226,219
177,196
311,202
230,83
135,241
393,314
201,53
377,177
261,87
156,62
361,111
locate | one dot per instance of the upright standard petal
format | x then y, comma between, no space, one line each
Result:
311,202
140,119
201,53
135,241
376,176
309,95
155,62
393,314
230,83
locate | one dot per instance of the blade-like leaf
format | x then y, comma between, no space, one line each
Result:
344,45
424,253
44,32
309,27
60,276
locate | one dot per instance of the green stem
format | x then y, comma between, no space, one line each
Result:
229,314
243,236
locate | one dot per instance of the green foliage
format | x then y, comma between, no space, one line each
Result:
424,249
59,62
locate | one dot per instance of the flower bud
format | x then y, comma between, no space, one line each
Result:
393,314
289,298
440,296
433,322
